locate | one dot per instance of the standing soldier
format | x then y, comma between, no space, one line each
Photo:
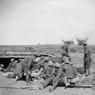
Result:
65,50
87,56
87,59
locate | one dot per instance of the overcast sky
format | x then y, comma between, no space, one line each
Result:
26,22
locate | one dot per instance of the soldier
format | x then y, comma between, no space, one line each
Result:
65,75
87,59
65,50
15,63
87,56
10,64
39,62
27,65
20,60
2,67
46,68
49,74
24,68
18,70
70,71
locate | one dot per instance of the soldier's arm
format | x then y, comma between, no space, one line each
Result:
59,73
9,65
62,47
75,71
90,57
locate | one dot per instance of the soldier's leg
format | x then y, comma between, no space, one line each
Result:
88,72
69,58
85,69
27,79
47,82
88,68
62,58
66,81
26,70
55,83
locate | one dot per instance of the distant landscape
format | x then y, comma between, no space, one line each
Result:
21,51
32,49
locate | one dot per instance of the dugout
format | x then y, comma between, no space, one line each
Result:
5,60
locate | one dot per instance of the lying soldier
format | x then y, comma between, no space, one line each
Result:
66,74
51,73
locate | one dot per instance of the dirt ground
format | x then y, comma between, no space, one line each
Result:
6,83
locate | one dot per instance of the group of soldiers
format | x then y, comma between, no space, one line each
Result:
47,68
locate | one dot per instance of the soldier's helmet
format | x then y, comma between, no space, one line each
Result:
12,59
85,43
50,63
37,59
20,59
82,41
16,61
69,42
46,59
2,65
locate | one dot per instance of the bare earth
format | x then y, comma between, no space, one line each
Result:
6,90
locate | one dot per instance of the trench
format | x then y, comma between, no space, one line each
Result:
6,61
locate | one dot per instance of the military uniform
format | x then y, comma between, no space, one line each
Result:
60,78
40,64
87,60
24,66
27,64
12,65
65,51
50,75
18,69
66,73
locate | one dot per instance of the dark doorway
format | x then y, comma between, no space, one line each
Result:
6,61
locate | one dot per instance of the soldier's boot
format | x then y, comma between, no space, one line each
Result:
28,81
51,89
16,78
66,82
41,87
47,82
87,73
55,83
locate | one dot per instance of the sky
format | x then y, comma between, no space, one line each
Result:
27,22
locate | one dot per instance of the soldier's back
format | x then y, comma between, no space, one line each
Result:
70,70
